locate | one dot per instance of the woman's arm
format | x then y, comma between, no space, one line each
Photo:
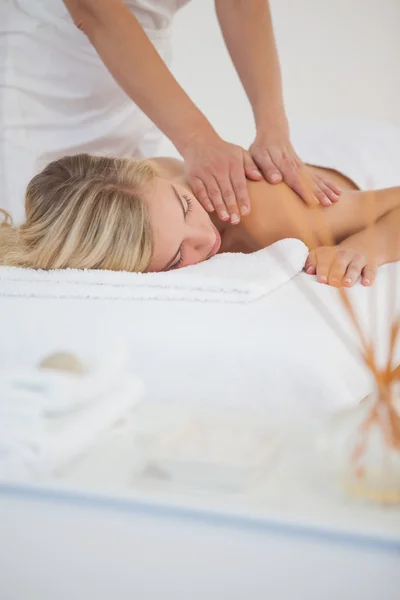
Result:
248,32
278,212
217,170
358,255
381,241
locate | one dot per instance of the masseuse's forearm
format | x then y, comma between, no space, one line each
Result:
135,64
247,29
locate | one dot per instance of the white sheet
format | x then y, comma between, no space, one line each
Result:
368,152
277,352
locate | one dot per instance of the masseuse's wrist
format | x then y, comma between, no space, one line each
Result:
200,132
272,126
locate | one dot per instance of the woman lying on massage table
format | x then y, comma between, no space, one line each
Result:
90,212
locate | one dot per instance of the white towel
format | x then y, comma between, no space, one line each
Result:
48,418
224,278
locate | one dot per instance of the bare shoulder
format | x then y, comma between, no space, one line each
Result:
170,168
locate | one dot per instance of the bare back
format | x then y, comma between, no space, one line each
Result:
277,212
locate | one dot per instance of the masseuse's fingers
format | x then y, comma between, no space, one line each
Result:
215,195
250,167
309,185
225,199
215,169
311,188
200,192
261,152
239,182
276,158
324,194
210,197
269,169
330,190
300,178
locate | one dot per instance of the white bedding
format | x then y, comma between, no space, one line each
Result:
368,152
276,352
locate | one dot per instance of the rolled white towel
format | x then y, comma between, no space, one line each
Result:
230,277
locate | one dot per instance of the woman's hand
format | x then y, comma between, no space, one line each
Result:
216,170
275,157
340,266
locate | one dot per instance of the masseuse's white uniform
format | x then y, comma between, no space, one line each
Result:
57,97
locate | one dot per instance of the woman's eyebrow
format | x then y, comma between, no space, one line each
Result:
171,262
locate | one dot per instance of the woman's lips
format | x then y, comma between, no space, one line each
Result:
217,244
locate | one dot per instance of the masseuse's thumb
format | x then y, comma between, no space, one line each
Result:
250,167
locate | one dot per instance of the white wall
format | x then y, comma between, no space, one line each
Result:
338,57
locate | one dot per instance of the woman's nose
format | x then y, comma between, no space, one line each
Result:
202,240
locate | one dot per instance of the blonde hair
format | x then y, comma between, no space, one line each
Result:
84,212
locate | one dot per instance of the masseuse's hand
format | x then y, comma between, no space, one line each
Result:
277,160
216,170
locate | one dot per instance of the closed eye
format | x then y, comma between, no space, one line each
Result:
179,262
186,210
189,203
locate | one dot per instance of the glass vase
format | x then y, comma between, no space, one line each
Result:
360,447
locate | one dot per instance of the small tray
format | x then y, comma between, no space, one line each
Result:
214,449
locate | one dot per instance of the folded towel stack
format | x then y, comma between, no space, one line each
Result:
49,416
